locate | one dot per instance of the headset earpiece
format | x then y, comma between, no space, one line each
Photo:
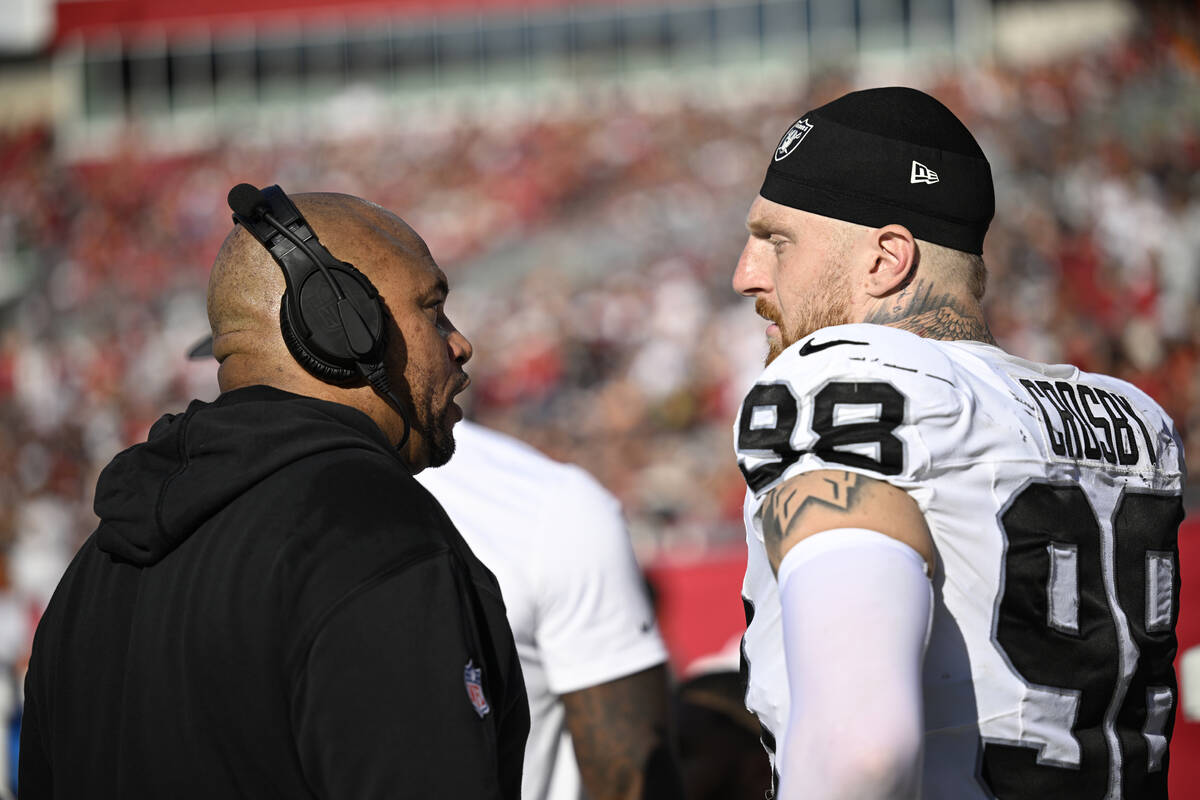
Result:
317,367
315,332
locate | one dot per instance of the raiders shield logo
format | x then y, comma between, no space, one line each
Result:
472,677
794,136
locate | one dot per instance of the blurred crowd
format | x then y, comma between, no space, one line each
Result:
589,247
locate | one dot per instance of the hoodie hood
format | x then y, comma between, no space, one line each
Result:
153,496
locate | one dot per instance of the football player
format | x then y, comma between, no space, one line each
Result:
963,572
590,649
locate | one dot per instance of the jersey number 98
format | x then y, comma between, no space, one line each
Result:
864,439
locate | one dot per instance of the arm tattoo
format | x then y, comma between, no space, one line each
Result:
783,507
619,731
942,316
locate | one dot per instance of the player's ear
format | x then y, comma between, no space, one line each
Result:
895,256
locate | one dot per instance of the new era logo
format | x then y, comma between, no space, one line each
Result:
922,174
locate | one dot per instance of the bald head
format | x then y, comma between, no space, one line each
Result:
423,353
246,284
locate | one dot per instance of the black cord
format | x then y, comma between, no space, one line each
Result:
377,377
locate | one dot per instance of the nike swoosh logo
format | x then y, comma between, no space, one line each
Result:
809,347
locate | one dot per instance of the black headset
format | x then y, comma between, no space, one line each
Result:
333,325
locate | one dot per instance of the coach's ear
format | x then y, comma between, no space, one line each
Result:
894,253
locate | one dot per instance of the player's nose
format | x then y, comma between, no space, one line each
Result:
749,276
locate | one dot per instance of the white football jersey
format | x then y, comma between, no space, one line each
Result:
1053,497
573,593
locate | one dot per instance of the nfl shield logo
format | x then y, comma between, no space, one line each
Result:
794,136
471,677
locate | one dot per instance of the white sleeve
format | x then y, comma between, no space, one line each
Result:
856,612
594,619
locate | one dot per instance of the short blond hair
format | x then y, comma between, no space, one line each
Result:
955,265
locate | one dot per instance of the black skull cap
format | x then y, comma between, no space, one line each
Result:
889,155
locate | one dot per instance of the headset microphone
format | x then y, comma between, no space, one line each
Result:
334,325
247,201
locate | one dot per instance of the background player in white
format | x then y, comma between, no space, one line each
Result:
976,554
593,659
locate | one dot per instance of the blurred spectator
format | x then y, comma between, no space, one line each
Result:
719,748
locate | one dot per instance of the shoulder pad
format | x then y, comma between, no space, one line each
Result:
861,349
859,397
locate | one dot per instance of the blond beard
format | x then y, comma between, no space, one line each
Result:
827,305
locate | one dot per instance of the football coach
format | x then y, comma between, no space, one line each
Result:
271,605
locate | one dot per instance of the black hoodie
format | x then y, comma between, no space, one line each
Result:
271,607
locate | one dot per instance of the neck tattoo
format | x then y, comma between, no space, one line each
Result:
935,316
